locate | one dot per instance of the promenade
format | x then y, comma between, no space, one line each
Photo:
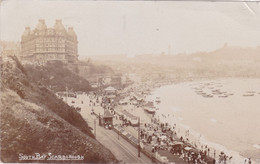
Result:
119,144
122,149
158,140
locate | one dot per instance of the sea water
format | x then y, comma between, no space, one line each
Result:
228,119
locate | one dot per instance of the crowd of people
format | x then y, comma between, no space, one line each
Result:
156,134
161,136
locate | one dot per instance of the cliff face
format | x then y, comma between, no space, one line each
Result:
33,121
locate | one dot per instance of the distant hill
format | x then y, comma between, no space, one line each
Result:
228,61
34,120
230,53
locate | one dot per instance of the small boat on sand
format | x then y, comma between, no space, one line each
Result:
150,110
158,100
208,96
248,94
223,96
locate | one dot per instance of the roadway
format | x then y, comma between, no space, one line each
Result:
122,150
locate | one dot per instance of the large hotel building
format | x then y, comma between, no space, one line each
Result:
49,44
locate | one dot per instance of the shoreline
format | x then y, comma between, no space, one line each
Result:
237,156
182,127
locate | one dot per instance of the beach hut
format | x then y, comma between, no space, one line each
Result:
177,143
187,148
123,102
110,90
191,150
163,137
137,97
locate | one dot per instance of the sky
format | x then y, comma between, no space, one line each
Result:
139,27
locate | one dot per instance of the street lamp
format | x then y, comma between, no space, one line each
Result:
95,128
118,133
139,137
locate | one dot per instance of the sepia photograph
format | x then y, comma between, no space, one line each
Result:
130,81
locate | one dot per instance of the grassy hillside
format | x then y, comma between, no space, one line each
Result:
33,120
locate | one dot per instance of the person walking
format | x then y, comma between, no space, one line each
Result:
249,161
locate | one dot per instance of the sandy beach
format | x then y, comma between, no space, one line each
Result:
233,119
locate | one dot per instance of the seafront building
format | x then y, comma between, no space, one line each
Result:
45,44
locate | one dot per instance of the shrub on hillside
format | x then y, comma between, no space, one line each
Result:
57,76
